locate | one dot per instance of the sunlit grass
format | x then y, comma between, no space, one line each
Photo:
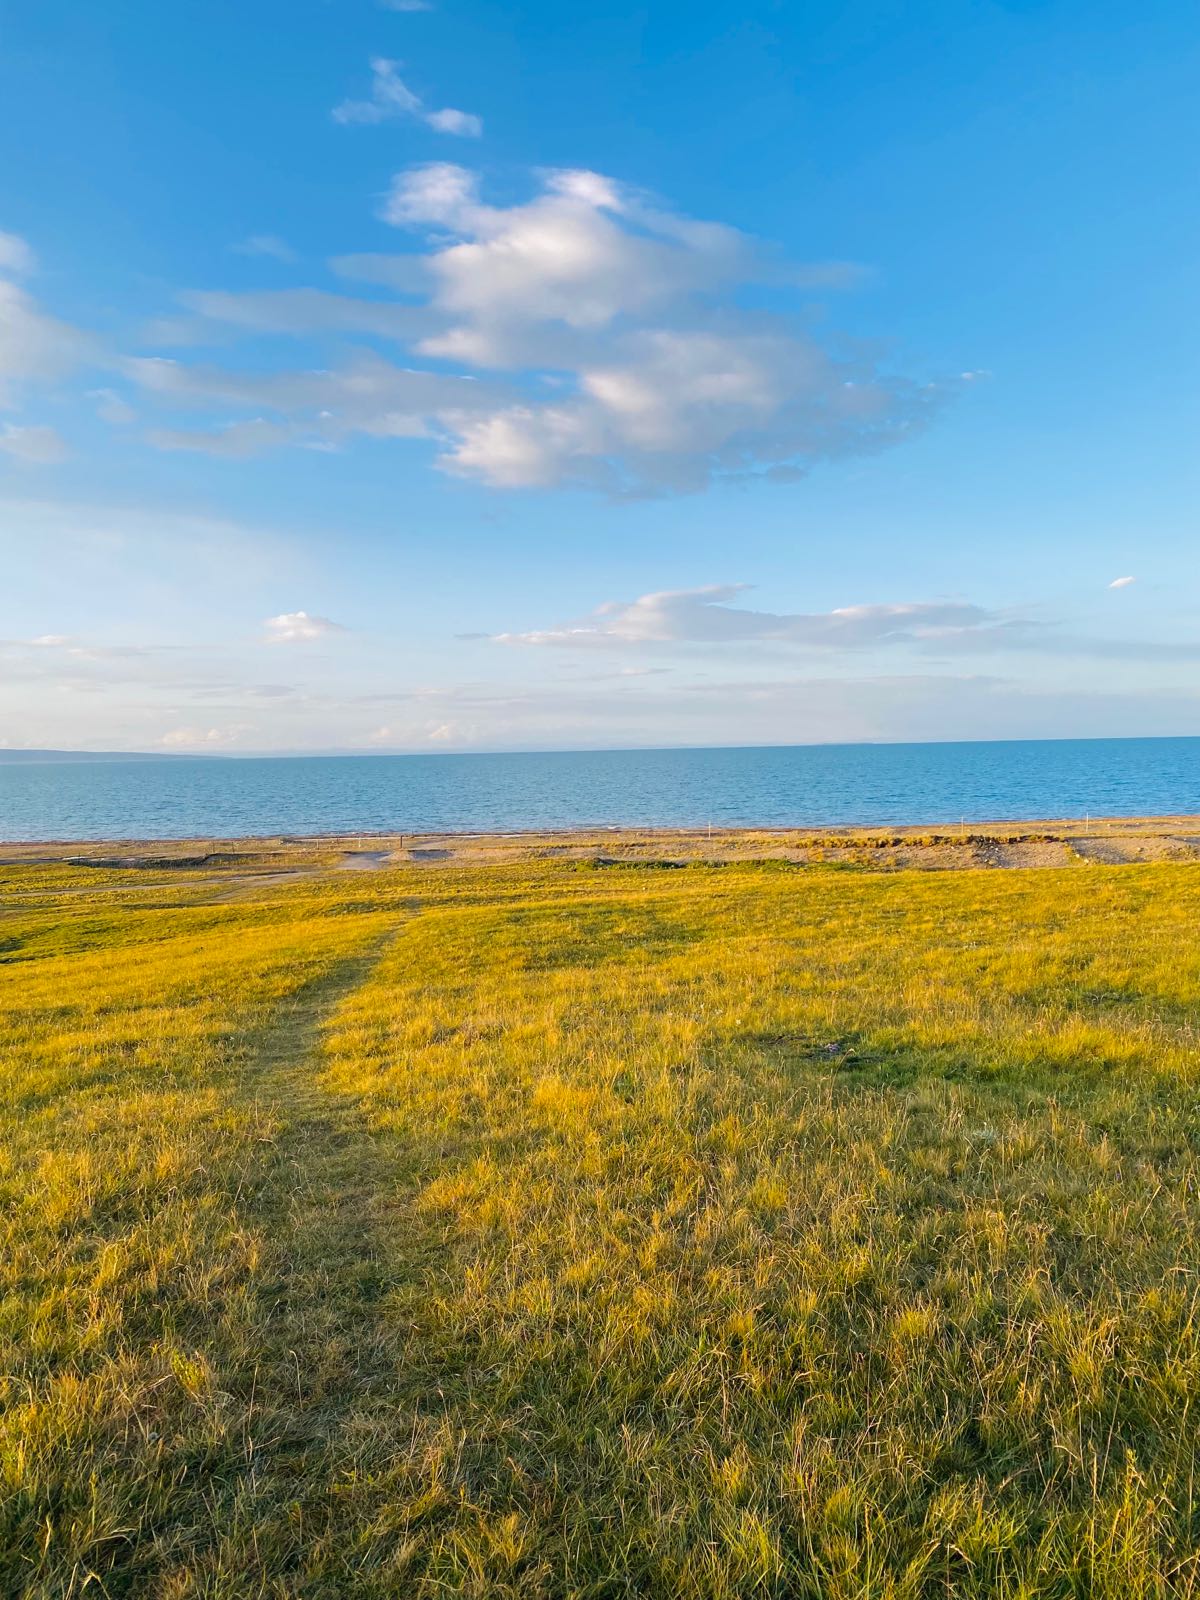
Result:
525,1230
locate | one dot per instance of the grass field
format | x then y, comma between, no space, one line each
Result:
529,1230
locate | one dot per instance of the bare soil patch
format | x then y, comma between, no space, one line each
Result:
1026,853
1117,851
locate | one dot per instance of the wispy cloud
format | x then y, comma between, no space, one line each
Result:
35,445
34,347
941,628
111,408
266,245
406,274
706,616
234,441
1121,583
313,408
298,627
15,254
390,97
307,311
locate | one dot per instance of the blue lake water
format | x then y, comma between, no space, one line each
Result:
780,787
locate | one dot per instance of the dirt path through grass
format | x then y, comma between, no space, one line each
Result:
326,1204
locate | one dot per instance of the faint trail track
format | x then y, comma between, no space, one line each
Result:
329,1158
321,1201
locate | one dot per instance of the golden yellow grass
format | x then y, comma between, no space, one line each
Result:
523,1229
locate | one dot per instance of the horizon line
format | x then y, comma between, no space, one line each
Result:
33,754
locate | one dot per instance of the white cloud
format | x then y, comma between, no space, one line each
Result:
295,627
663,389
583,252
706,616
622,357
15,254
265,245
673,409
437,192
463,123
1121,583
35,445
391,98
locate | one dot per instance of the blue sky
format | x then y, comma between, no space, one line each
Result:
382,376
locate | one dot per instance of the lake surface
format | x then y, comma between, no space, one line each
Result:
790,786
